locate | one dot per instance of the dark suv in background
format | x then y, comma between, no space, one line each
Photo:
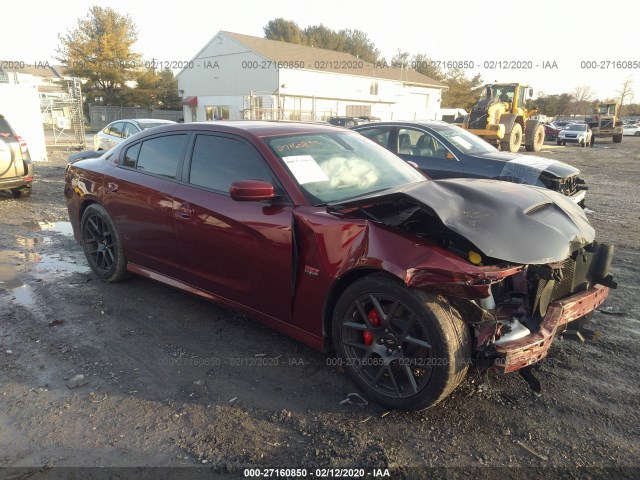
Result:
16,169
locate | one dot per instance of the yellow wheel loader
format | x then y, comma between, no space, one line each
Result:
502,119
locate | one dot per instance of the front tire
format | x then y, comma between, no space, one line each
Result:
514,141
404,348
102,245
617,138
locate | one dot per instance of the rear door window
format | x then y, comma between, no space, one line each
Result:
130,129
158,156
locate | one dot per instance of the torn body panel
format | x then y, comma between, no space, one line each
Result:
535,225
540,269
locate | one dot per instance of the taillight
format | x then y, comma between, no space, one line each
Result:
23,144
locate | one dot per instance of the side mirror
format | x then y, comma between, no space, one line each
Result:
413,164
251,190
531,92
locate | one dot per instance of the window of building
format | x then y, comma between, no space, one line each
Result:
216,112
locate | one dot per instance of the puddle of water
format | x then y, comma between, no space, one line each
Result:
8,278
54,262
24,296
63,228
22,293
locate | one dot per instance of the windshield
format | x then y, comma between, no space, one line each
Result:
331,167
464,140
577,128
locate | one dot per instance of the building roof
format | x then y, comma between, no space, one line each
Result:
329,60
45,70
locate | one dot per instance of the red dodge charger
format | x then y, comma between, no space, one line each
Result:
330,238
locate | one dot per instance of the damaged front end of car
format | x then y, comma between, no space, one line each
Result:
532,265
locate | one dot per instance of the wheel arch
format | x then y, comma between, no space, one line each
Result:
84,205
508,120
338,288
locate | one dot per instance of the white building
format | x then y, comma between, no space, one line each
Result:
238,76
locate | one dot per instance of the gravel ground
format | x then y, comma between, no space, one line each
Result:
176,381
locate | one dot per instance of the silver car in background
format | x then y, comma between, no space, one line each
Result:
119,130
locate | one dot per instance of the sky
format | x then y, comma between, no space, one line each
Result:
582,43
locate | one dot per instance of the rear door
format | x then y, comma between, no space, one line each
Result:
240,250
139,197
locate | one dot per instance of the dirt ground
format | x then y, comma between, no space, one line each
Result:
176,381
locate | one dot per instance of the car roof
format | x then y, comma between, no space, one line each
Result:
258,128
143,120
407,123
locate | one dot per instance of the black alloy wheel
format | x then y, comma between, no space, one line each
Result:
102,245
404,348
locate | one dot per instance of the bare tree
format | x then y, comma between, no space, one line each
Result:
626,91
582,96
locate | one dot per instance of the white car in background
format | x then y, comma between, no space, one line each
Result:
633,130
118,131
579,133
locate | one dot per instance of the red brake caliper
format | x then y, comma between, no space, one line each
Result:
374,319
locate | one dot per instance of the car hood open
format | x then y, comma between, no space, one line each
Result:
515,223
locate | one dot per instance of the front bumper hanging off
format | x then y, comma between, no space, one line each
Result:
525,351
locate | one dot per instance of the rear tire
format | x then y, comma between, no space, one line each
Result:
22,192
405,349
101,244
538,140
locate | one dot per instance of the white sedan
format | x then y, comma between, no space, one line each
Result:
118,131
633,130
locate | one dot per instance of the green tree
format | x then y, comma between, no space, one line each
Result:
320,36
463,92
400,59
284,30
99,49
357,43
154,90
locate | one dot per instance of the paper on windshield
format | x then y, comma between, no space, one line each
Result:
457,139
305,169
